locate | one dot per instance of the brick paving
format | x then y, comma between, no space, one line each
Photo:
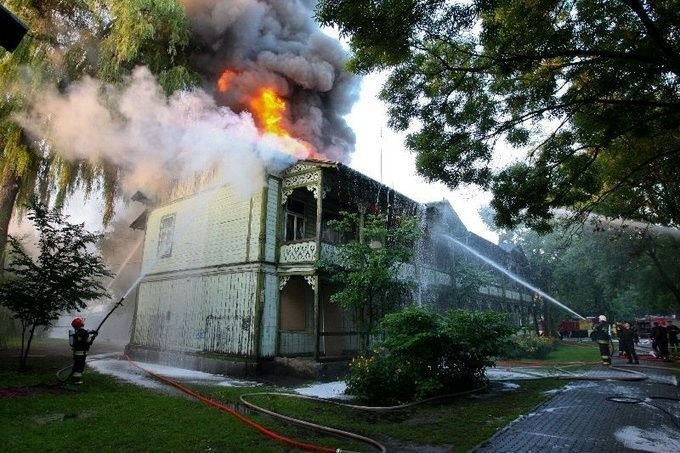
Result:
604,412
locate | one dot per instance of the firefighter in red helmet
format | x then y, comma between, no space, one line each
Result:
80,339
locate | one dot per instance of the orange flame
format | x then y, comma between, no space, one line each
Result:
269,112
269,109
224,82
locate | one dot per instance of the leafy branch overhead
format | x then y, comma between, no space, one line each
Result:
587,90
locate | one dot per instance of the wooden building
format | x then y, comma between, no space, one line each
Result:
231,283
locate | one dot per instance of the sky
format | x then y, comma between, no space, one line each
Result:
396,168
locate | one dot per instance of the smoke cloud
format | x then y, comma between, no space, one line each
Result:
156,140
278,43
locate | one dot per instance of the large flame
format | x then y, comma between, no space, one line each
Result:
269,111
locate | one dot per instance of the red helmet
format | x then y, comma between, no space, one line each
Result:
77,323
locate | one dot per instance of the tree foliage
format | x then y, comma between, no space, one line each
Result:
67,41
64,276
614,268
426,354
588,89
367,270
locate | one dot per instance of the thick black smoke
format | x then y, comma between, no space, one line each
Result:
278,43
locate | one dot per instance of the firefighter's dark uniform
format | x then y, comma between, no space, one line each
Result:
600,334
627,342
82,340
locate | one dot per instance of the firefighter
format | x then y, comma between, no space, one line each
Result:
661,338
81,339
600,334
627,342
673,332
617,327
653,334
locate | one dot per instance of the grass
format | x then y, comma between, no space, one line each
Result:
107,415
587,352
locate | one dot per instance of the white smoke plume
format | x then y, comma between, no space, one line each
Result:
156,140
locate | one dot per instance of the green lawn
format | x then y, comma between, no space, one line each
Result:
587,352
108,415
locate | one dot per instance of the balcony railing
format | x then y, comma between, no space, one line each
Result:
298,252
330,253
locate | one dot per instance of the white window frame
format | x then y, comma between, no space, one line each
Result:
166,235
297,219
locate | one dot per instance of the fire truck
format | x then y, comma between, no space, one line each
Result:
576,328
645,323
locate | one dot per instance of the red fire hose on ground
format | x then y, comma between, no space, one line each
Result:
263,430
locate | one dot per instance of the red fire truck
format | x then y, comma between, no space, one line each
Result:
645,323
576,328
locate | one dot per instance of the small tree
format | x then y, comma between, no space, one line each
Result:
64,276
367,270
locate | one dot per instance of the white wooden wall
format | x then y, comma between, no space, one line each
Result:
198,312
213,228
203,296
272,219
270,323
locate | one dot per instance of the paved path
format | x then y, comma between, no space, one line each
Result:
610,413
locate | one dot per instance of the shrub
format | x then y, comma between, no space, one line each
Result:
529,346
426,354
380,378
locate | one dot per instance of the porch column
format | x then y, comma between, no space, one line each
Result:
317,314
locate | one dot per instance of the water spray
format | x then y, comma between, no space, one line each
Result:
513,276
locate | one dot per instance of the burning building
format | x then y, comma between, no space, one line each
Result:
228,275
231,283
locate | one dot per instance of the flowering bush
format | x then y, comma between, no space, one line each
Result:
426,354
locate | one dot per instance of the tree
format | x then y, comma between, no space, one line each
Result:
67,41
65,274
587,88
468,278
367,270
606,267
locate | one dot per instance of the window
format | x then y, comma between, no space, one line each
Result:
330,234
295,221
166,235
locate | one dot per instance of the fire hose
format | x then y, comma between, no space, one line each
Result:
96,332
263,430
118,304
303,423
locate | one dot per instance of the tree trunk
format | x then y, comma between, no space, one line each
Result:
9,188
24,351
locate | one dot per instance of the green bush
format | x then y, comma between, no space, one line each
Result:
427,354
530,346
380,378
